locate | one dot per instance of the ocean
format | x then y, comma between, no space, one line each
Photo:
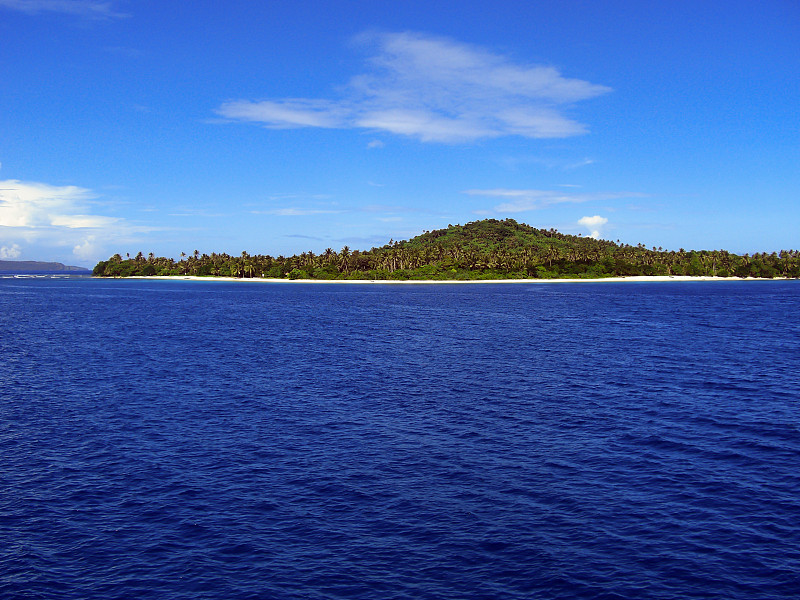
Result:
210,440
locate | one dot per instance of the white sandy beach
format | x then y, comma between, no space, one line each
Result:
635,279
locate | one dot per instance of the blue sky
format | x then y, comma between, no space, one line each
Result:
284,126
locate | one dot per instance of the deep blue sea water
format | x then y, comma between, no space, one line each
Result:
208,440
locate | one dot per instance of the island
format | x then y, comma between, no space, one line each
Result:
39,267
488,249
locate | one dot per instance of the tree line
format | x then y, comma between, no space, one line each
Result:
486,249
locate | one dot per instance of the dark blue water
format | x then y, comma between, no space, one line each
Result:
180,440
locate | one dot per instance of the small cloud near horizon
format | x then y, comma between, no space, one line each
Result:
593,224
10,252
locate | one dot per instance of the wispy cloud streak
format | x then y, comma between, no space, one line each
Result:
525,200
90,9
295,212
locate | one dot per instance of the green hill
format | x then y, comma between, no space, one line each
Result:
487,249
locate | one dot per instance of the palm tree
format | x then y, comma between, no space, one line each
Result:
553,253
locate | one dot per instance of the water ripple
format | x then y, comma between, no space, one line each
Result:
174,440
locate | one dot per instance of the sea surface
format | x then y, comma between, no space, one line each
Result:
209,440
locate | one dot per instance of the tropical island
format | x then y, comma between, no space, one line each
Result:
489,249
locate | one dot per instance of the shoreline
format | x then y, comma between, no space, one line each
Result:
632,279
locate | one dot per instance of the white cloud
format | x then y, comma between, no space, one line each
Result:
286,114
82,221
56,216
595,221
539,123
86,250
376,144
515,162
31,204
91,9
525,200
10,252
428,126
436,90
594,224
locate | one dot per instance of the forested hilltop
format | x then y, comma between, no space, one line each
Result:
487,249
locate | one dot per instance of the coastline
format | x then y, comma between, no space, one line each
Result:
632,279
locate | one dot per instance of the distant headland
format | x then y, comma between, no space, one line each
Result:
489,249
35,266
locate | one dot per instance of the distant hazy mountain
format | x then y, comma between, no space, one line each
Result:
34,266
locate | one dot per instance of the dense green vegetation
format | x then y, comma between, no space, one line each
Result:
488,249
